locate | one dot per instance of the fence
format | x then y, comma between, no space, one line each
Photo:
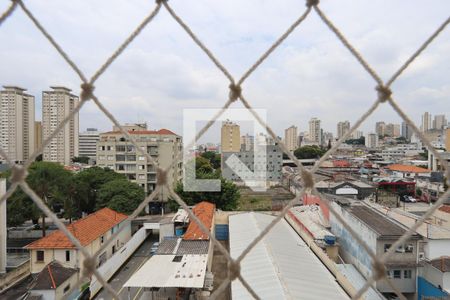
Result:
383,94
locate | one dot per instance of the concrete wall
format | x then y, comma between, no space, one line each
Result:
351,250
116,261
436,277
437,248
15,275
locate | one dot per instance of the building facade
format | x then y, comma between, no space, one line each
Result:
37,134
426,122
16,123
57,104
230,139
247,142
407,131
342,128
315,131
116,152
291,138
273,164
87,143
372,140
92,231
439,122
380,128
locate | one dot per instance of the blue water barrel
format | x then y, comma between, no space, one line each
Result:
179,231
329,239
222,232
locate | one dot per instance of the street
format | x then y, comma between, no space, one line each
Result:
138,258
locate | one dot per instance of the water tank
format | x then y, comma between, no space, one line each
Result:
329,239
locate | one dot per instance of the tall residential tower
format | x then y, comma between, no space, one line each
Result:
56,105
16,123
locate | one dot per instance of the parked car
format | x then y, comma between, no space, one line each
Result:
405,198
154,248
412,199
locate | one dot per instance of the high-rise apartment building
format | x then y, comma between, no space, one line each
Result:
392,130
87,143
439,122
230,137
16,123
291,138
37,134
116,152
407,131
380,128
57,104
357,134
342,128
247,142
315,132
426,122
372,140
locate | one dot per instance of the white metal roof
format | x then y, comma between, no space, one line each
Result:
162,271
358,281
281,266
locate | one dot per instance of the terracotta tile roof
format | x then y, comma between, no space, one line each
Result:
205,212
52,276
341,163
86,230
408,169
161,132
445,208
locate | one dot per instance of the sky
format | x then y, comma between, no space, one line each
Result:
163,72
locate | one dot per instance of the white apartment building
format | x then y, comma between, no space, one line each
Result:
439,122
87,143
315,132
380,128
426,122
56,105
291,138
372,140
247,142
16,123
116,152
342,128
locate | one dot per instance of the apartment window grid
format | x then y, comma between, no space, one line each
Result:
384,94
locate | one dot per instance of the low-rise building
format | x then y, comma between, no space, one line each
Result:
379,233
115,151
350,188
87,143
92,231
55,282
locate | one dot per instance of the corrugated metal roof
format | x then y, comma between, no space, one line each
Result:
281,266
182,247
358,281
163,271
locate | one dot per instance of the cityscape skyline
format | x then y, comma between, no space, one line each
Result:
331,83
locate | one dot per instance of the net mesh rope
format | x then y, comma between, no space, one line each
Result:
383,94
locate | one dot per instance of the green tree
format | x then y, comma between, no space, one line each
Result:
47,180
214,158
80,159
307,152
202,165
121,195
89,182
226,199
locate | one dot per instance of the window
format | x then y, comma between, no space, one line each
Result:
67,288
102,238
386,247
67,255
397,274
409,248
39,255
407,274
141,157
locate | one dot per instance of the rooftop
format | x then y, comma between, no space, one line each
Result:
182,247
86,230
290,269
204,211
441,263
160,132
408,169
52,276
379,223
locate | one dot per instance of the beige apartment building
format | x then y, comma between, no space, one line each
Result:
116,152
342,128
16,123
291,138
56,105
37,134
230,140
315,131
